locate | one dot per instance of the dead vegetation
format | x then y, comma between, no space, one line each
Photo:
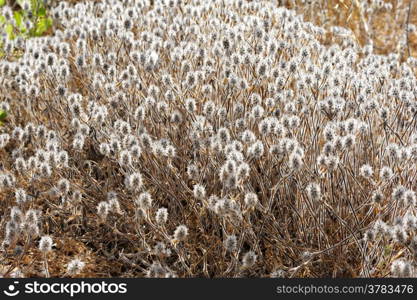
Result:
211,139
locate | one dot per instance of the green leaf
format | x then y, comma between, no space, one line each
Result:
39,16
19,20
34,4
3,115
41,12
42,26
9,31
18,17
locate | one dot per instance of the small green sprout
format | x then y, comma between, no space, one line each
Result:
3,116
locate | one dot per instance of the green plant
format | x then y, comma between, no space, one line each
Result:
3,114
28,21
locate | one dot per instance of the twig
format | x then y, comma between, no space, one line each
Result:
406,28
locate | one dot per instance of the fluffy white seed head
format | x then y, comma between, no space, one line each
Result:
366,171
134,181
313,191
199,191
45,244
103,209
386,173
249,259
21,196
230,243
75,267
181,233
251,200
144,201
161,215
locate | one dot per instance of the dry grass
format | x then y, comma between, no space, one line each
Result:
308,219
384,28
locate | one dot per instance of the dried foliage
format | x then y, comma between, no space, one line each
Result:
209,139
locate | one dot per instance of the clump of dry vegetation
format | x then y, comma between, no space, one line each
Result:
205,138
381,23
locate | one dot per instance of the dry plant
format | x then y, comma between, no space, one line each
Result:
222,138
381,23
